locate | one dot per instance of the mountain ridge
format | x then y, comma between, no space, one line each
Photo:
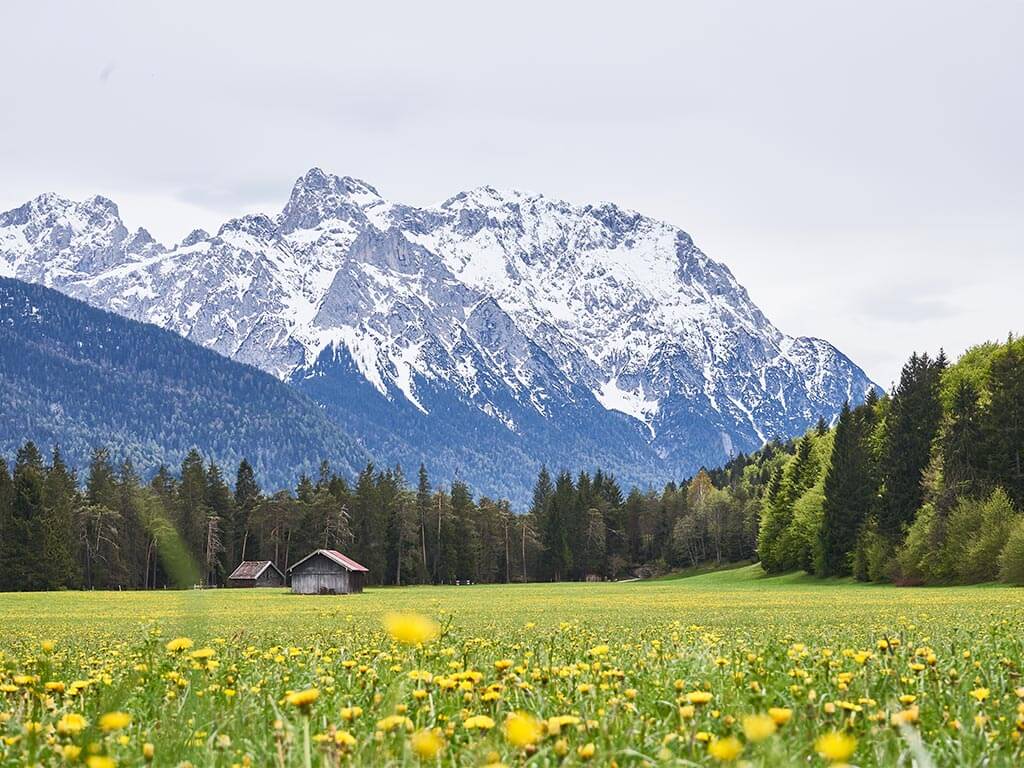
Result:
81,377
518,306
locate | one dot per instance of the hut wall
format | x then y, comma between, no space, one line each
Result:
320,576
270,578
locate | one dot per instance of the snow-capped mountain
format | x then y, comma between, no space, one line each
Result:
482,336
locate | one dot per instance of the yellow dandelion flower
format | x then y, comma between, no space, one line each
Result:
71,752
394,722
481,722
780,715
115,721
758,727
980,694
586,751
303,699
835,747
522,730
427,744
411,628
71,723
344,739
556,723
725,749
179,644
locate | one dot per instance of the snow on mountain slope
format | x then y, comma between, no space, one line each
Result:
542,324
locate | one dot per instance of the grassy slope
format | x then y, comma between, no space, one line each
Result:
740,602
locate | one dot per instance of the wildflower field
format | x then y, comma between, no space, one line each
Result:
726,668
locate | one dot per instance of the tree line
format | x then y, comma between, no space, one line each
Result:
922,486
114,530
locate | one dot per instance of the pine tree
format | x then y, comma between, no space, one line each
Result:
60,500
28,571
368,524
305,490
324,475
915,415
467,541
221,505
558,552
8,547
632,514
193,515
849,493
388,491
543,490
422,513
961,445
443,526
132,528
101,485
247,496
99,526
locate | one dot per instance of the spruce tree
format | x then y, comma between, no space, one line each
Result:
915,415
961,445
60,502
221,506
193,514
463,512
26,562
422,514
368,524
133,534
8,549
849,492
247,496
557,547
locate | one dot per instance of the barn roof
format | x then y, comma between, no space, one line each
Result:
253,569
335,556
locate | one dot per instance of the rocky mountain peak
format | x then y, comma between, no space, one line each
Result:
317,197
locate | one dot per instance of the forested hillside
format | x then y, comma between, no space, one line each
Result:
80,377
923,486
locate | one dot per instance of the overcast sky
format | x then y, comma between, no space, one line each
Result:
857,165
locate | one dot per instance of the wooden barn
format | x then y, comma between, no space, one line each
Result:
256,573
327,572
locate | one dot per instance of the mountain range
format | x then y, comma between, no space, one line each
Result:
482,336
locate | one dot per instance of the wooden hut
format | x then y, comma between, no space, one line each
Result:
256,573
327,572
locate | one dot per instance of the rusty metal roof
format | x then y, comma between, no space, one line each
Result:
335,556
252,569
